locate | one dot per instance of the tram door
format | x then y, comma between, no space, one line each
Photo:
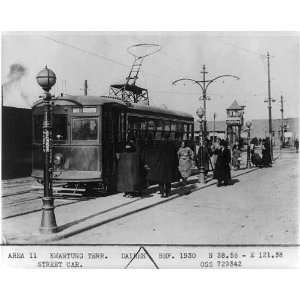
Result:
114,129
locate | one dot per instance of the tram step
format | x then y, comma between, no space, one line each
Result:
67,194
68,189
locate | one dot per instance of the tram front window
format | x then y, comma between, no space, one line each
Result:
85,129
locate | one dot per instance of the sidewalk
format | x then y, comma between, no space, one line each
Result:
87,214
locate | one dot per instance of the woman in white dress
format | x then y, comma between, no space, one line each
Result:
186,161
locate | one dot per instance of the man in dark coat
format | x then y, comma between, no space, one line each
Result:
297,145
222,168
266,154
162,162
131,172
206,157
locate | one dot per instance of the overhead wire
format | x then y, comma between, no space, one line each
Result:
94,54
86,51
143,73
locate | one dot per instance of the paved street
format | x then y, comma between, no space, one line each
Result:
261,207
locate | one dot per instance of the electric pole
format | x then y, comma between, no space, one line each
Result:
282,125
85,88
270,100
214,136
204,102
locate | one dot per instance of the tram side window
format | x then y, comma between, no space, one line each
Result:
185,131
173,131
159,126
167,129
151,129
133,128
179,131
143,128
85,129
190,131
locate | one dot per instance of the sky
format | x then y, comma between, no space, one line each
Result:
102,59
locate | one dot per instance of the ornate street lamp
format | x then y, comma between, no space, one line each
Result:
204,84
200,113
46,79
248,125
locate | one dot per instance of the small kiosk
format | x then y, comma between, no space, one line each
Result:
234,122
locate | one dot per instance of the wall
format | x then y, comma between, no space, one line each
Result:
16,142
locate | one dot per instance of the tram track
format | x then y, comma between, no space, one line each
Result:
18,193
40,209
21,201
32,205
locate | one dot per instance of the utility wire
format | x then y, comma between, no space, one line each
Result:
86,51
243,49
94,54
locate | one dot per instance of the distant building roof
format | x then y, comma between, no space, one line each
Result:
235,105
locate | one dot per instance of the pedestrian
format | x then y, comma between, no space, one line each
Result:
214,151
297,145
186,161
266,153
161,159
131,171
236,157
205,156
256,158
222,170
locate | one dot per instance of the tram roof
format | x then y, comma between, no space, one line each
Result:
100,100
159,110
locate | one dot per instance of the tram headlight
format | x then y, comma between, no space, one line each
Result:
58,160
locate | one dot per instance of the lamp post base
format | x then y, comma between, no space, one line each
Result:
48,223
202,177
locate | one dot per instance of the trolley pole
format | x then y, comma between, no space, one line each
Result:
46,79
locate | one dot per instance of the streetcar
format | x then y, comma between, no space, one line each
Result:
89,131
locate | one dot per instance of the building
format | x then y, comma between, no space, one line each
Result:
259,129
234,122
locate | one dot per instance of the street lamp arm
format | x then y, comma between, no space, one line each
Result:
188,79
221,76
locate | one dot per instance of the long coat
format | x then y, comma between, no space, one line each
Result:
131,172
266,154
222,168
162,162
206,158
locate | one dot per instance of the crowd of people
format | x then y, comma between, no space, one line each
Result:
163,163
